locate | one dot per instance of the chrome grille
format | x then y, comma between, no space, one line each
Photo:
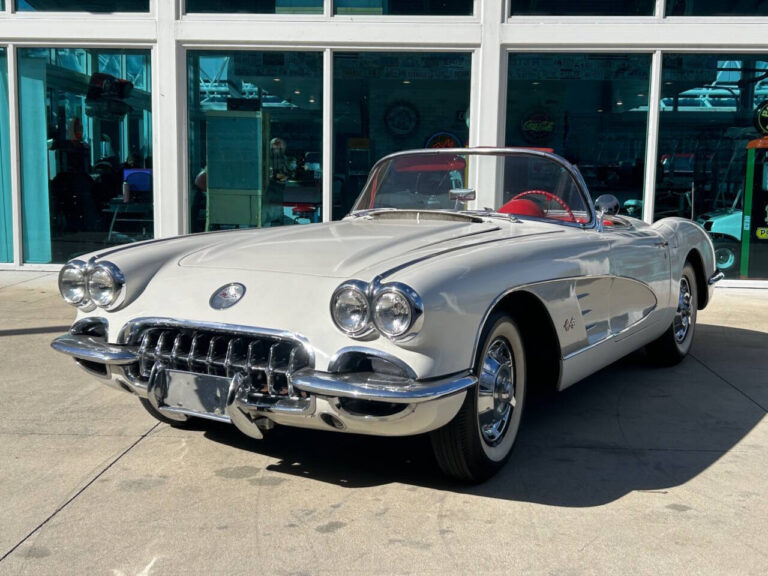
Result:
266,361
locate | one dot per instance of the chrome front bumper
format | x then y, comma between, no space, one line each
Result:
327,400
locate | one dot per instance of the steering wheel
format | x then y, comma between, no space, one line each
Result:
548,196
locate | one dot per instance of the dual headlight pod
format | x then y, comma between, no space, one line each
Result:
87,286
394,309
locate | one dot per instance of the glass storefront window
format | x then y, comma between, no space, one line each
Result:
6,221
592,109
716,8
593,8
254,6
82,5
386,102
707,122
255,139
404,7
85,121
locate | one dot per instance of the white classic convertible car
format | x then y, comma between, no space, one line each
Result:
416,313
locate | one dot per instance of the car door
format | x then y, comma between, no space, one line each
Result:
640,268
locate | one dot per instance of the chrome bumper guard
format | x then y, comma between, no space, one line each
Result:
715,278
305,383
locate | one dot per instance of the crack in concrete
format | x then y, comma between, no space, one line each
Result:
78,493
739,390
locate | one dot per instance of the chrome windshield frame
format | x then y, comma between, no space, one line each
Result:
573,171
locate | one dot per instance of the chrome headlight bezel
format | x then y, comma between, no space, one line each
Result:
77,267
413,301
360,289
117,292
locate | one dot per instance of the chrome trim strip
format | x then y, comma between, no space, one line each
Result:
131,330
380,278
610,337
715,278
92,350
204,415
398,391
337,358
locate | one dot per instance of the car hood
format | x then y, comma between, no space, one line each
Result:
343,249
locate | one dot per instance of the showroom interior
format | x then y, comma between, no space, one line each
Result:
126,120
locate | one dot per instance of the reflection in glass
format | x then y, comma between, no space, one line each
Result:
404,7
255,139
386,102
716,8
255,6
6,231
707,123
591,109
592,8
86,150
82,5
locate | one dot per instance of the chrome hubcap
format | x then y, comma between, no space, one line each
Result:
496,392
682,322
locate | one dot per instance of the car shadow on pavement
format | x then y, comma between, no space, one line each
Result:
631,427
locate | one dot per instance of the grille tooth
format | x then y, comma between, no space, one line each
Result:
267,361
236,357
180,351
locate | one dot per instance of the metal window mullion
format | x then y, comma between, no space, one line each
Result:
661,7
652,143
327,135
15,156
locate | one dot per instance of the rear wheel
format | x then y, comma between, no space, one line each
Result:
672,346
479,440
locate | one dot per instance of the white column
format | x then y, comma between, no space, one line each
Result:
168,133
489,71
327,135
15,156
652,145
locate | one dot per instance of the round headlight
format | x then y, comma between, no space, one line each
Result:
105,283
350,310
392,313
72,284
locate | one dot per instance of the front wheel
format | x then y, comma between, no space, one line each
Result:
672,346
479,440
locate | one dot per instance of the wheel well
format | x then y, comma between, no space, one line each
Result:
542,347
701,281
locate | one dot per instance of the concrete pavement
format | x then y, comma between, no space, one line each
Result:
636,470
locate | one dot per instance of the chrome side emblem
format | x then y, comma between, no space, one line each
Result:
227,296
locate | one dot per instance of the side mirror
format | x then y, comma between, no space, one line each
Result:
461,195
607,204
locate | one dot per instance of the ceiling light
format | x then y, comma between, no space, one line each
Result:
276,79
406,82
297,91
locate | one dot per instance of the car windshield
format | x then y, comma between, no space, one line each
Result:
535,185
